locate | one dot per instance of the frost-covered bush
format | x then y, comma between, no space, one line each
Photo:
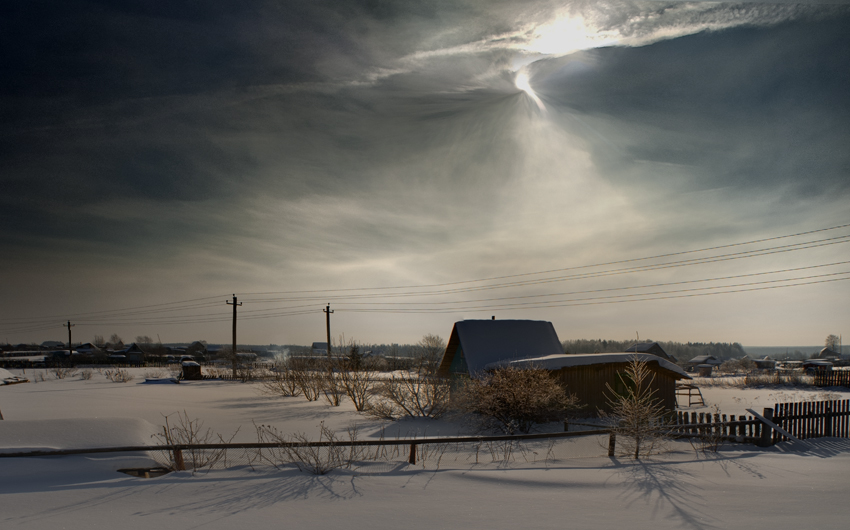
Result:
514,399
118,375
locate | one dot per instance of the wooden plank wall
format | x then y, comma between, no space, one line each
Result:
588,383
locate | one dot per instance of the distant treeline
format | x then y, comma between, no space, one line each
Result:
681,351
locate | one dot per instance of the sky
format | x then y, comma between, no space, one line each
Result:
616,168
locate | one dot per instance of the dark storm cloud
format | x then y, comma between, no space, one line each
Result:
111,101
140,117
748,108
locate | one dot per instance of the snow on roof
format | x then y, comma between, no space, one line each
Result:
556,362
488,341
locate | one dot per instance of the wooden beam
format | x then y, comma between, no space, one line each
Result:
776,427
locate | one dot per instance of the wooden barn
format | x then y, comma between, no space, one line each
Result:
586,375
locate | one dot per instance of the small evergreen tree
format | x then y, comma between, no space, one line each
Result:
637,413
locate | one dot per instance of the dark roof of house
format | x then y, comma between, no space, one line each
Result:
650,347
704,359
489,341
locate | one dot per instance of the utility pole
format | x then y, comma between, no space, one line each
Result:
327,311
233,353
69,326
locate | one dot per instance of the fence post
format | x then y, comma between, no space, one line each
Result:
612,443
178,460
827,421
412,459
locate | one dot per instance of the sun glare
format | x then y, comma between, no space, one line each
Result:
522,82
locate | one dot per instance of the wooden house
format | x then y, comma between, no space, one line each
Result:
134,354
476,346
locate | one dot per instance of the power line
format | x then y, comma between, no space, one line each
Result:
613,289
588,301
617,262
154,314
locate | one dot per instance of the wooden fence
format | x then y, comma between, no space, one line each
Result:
176,450
836,378
704,424
813,419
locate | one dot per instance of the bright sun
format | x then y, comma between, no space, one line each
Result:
521,81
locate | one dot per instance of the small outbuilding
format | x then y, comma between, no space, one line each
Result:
588,376
191,371
766,364
694,362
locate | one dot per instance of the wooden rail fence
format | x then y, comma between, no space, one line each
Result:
177,449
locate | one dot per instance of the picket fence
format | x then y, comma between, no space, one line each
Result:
708,425
835,378
812,419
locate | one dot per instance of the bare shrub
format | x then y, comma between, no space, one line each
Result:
332,389
355,374
282,382
156,374
308,380
513,400
638,416
414,395
298,449
62,372
86,374
776,379
186,431
118,375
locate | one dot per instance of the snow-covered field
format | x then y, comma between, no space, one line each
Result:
787,486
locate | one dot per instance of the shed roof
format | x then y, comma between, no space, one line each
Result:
556,362
488,341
